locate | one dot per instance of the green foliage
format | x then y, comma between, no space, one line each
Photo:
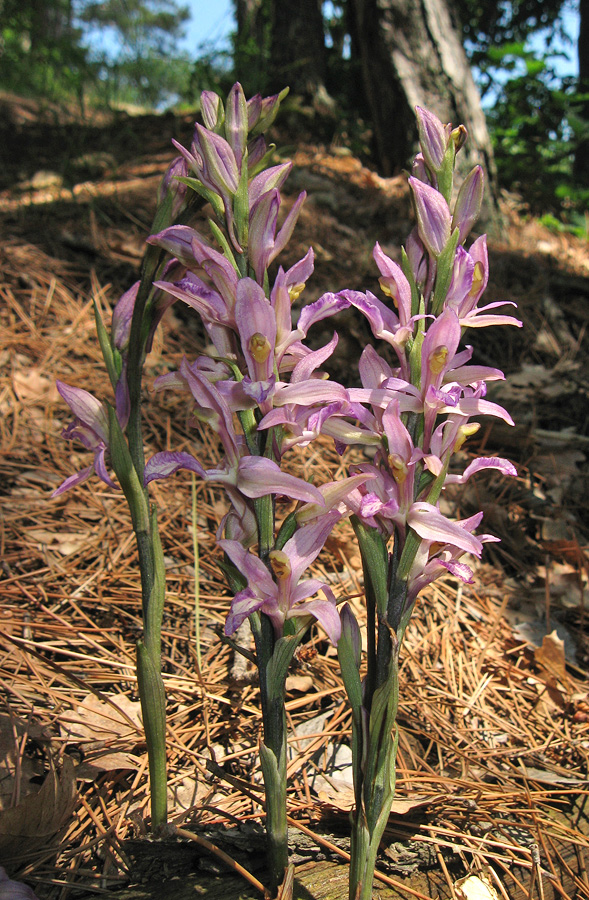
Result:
488,27
41,50
535,129
44,50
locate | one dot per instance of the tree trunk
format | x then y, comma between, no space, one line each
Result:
582,153
297,47
252,44
411,56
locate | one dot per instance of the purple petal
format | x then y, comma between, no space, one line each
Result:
252,567
302,270
396,282
309,392
468,203
307,543
122,316
459,569
74,481
487,462
432,526
305,368
285,233
383,322
327,305
268,180
101,470
222,172
325,611
433,138
258,477
211,108
236,121
433,216
195,293
86,408
254,316
168,463
243,605
262,231
373,369
14,890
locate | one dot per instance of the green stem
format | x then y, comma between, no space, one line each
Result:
374,775
153,710
272,667
150,554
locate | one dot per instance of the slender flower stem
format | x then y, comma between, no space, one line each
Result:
151,565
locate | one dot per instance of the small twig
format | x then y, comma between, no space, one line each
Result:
285,890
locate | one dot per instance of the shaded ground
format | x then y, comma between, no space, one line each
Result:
495,727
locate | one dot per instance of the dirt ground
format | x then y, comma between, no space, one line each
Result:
494,715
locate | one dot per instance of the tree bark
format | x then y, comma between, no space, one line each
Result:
411,56
252,44
297,47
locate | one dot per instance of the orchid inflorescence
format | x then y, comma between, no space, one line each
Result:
262,390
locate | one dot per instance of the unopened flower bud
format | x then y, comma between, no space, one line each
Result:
259,347
468,203
433,216
236,121
459,136
351,638
433,138
170,184
211,108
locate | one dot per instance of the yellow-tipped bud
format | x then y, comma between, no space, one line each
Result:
464,432
259,346
398,467
280,563
295,291
438,359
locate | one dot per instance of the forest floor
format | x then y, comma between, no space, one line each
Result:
493,771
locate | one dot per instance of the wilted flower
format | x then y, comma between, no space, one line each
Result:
90,426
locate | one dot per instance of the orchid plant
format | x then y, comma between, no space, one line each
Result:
261,389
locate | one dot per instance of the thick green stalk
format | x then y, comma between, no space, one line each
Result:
273,659
374,742
374,777
153,710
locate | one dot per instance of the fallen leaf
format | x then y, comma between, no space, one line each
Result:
100,761
14,764
32,384
33,823
343,801
475,887
66,542
96,719
301,683
550,656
